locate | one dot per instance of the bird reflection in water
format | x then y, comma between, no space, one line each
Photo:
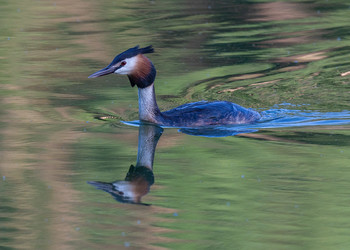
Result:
140,177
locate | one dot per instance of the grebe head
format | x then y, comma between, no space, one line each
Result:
137,184
133,63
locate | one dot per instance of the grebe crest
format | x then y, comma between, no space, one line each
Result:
141,72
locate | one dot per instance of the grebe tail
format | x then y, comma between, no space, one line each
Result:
141,72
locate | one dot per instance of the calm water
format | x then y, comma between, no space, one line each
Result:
282,183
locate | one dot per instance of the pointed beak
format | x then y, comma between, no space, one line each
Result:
101,185
102,72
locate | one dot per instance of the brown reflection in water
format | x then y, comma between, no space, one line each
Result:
345,73
277,11
37,136
303,58
288,39
282,11
48,159
253,84
81,17
287,64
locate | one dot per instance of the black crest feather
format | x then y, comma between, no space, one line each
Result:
131,53
145,50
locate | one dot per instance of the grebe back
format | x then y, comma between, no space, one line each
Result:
141,72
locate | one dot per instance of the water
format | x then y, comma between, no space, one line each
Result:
279,184
272,118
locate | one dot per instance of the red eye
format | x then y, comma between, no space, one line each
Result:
122,63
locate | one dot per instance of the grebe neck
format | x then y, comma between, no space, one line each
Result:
148,108
148,139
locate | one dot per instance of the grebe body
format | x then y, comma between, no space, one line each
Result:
205,113
141,72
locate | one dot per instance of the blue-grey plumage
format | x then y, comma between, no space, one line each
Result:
205,113
141,72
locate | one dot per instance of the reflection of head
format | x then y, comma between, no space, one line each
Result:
140,172
136,184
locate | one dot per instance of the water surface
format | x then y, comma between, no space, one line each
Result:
279,184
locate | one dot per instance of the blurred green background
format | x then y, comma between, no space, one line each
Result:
282,188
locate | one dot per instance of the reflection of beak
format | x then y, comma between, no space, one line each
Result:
108,187
102,72
122,191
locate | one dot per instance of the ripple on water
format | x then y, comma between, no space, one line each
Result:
271,118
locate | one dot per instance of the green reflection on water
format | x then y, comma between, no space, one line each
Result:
235,191
275,189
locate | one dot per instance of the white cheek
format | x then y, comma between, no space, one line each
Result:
128,67
125,187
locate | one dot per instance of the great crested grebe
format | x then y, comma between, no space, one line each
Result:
141,72
139,178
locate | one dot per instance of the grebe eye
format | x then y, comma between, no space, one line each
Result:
122,63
